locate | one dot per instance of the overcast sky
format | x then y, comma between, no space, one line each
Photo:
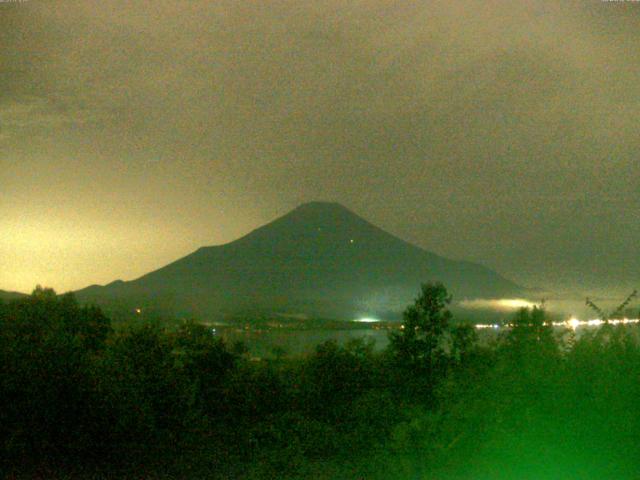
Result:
502,132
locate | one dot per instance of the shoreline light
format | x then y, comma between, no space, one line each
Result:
573,323
366,320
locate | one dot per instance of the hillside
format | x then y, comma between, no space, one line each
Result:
7,296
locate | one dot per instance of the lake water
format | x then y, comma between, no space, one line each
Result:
300,342
294,342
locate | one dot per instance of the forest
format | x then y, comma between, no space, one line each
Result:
84,397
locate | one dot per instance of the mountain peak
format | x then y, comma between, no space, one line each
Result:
320,205
327,216
305,226
322,209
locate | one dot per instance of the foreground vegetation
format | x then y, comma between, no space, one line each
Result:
79,399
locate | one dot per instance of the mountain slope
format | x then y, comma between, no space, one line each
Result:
319,259
7,296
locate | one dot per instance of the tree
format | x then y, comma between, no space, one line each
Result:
419,342
531,334
334,376
205,360
47,347
463,341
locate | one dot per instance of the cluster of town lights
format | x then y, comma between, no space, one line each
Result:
572,323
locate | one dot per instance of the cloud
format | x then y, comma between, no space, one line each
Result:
30,116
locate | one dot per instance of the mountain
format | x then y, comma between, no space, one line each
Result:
7,296
320,259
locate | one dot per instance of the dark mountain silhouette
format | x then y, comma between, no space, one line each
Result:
7,296
320,259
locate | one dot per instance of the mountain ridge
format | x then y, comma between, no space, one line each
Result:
320,259
6,295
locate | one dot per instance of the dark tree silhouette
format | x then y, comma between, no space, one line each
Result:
463,340
419,342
